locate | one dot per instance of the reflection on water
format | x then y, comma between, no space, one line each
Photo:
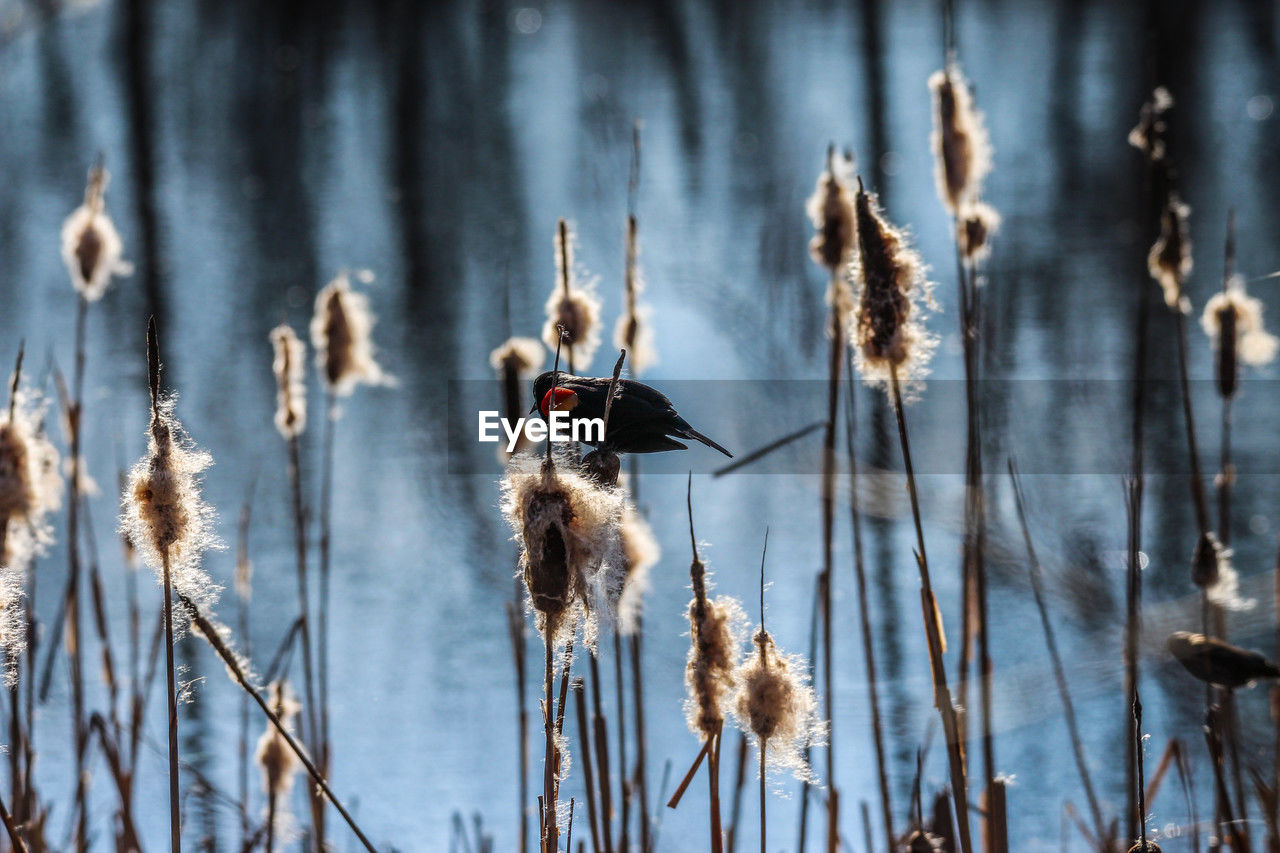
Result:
258,147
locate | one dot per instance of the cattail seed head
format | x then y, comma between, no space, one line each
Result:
633,332
570,551
291,392
278,762
30,483
776,703
640,553
716,629
163,512
891,285
91,247
961,147
1148,135
1212,571
1233,321
341,332
976,223
920,841
1169,261
572,307
830,209
522,356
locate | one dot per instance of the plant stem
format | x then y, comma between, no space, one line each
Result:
637,697
175,821
549,828
763,799
929,610
73,580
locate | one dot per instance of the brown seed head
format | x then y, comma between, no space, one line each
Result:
30,483
961,147
341,333
976,222
640,553
1148,135
278,762
776,703
1169,261
830,209
1233,321
891,282
91,247
572,307
291,392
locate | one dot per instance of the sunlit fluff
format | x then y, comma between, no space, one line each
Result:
976,223
891,288
1169,260
717,627
571,556
573,307
278,762
1253,344
341,332
830,209
634,332
776,703
163,512
523,356
1148,135
291,392
961,147
30,483
91,247
640,553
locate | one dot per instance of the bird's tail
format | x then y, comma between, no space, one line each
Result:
697,436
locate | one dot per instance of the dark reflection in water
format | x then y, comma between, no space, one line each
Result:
259,147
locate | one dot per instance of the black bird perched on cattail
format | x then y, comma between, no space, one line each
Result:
641,419
1217,662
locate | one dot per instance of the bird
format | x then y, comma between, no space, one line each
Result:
641,419
1220,663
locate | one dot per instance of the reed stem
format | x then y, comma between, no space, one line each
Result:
175,797
764,826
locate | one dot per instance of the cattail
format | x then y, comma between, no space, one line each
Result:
716,628
891,286
976,222
277,760
776,703
340,333
961,148
522,356
291,392
1233,321
640,553
30,483
163,512
91,248
1212,571
633,332
830,209
1169,261
1148,135
570,550
572,307
920,841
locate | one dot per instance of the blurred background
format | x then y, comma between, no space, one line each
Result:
257,148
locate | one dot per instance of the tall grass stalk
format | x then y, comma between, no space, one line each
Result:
929,606
588,767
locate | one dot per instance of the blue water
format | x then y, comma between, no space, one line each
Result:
257,148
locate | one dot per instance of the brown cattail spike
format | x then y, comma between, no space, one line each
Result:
961,148
291,393
1169,261
1233,321
341,333
573,309
91,247
890,281
830,209
1148,135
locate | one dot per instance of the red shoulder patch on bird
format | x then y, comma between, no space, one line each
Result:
558,400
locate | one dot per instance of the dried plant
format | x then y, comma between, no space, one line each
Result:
1233,321
522,356
341,332
776,703
1169,261
275,758
891,291
30,483
573,308
1148,135
830,209
567,526
716,630
91,247
291,392
961,148
640,553
976,223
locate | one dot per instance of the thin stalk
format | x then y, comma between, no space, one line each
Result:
835,330
12,829
735,807
624,837
271,821
1193,453
864,611
304,599
175,820
211,634
637,697
764,826
326,529
929,610
1051,644
550,831
588,768
1132,631
516,627
813,653
73,581
601,735
713,783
